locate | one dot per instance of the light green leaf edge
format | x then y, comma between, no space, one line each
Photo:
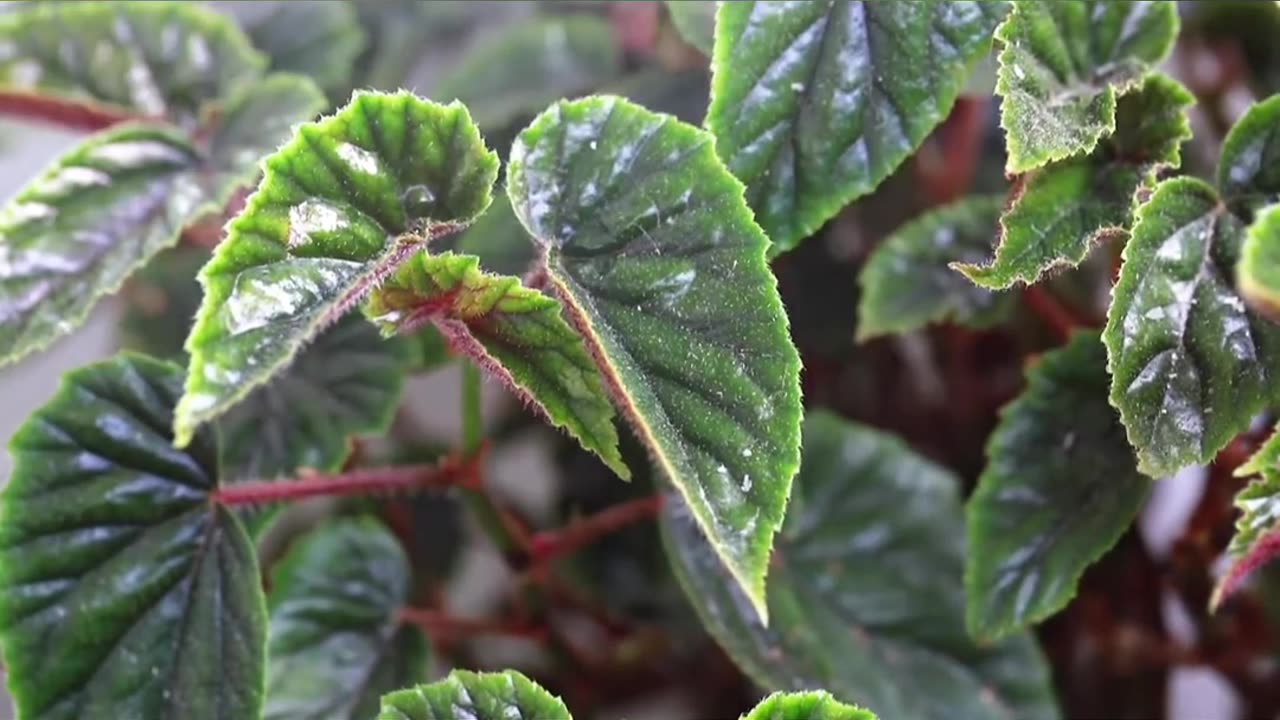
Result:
1258,271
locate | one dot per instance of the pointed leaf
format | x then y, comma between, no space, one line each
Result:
864,594
318,39
1061,211
1062,67
1256,541
1061,485
1258,272
647,240
1190,365
124,592
696,22
907,282
1249,166
813,104
813,705
474,696
339,206
515,334
336,642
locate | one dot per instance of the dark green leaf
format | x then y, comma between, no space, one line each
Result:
812,705
474,696
907,282
864,594
319,39
336,642
339,206
1249,167
813,104
696,21
647,240
1258,272
1062,67
162,298
124,592
1061,485
498,239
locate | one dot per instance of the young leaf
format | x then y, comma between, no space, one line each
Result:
864,592
648,242
1256,542
339,206
1061,485
336,643
813,104
1062,67
811,705
696,22
907,283
1249,166
1258,272
124,592
318,39
467,695
516,334
1060,211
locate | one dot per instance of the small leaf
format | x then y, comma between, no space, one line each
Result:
1190,365
1249,166
318,39
1258,272
696,22
812,705
1062,67
339,206
124,591
474,696
907,282
813,104
864,594
648,242
1061,485
1061,211
516,334
1256,541
336,643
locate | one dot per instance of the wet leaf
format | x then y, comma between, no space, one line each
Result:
1258,272
515,334
340,205
814,104
124,592
1249,167
1062,210
467,695
696,22
336,642
1256,542
907,282
1060,486
813,705
649,244
318,39
864,594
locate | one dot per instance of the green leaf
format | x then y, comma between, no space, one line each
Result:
124,591
474,696
648,242
907,282
319,39
864,594
516,334
813,104
696,22
812,705
1061,211
1249,166
339,206
1061,485
336,642
1258,271
162,298
152,59
1062,67
1255,542
1190,365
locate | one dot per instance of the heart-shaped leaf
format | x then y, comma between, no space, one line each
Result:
696,22
1061,485
864,594
339,206
813,104
812,705
474,696
648,242
1062,67
124,592
320,40
907,282
336,643
1249,166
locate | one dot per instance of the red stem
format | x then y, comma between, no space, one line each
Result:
449,473
436,624
70,115
551,544
1051,311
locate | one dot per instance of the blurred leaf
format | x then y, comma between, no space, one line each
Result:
813,705
319,39
696,21
474,696
1249,167
162,299
684,94
498,239
1258,271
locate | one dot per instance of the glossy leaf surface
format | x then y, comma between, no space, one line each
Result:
696,21
1062,66
813,104
467,695
1258,272
339,206
1249,166
813,705
864,593
123,591
318,39
1060,486
336,643
650,245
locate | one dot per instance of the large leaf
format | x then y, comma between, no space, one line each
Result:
647,240
336,642
515,334
474,696
907,282
812,705
339,206
815,103
1061,211
864,594
124,592
1061,485
1062,67
319,39
1190,365
1249,167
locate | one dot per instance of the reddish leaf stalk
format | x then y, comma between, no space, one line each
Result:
452,472
552,544
69,115
1051,311
438,624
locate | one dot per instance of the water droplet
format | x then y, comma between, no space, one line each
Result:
418,201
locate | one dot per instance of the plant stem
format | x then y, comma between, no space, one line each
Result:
1051,311
68,115
371,481
437,624
472,421
502,527
551,544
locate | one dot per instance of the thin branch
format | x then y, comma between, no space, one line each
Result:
551,544
452,472
70,115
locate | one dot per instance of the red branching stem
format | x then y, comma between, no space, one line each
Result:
70,115
1051,311
452,472
549,545
440,625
